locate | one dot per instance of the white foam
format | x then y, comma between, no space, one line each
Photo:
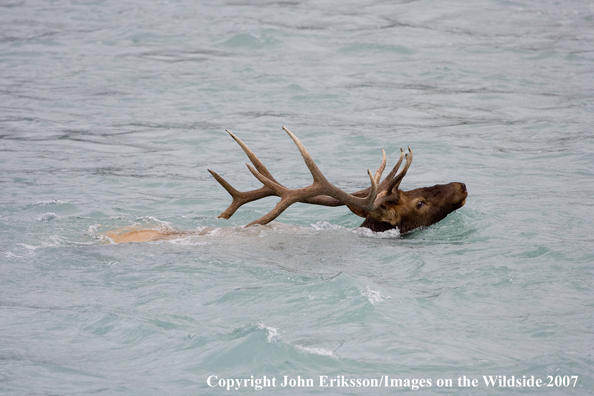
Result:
160,224
324,225
56,240
373,296
30,247
186,241
47,217
367,233
317,351
52,202
271,333
360,231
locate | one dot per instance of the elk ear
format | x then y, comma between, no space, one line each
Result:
394,199
393,208
394,218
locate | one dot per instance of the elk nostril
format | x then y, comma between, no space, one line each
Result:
463,187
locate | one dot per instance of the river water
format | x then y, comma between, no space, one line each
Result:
111,112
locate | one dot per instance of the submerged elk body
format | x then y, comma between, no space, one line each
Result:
383,205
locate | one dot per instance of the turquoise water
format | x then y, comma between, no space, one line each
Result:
110,113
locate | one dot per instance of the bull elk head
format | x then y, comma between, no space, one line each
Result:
383,205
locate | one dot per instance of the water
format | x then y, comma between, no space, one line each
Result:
110,113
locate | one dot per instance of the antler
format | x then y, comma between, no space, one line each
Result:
240,198
320,192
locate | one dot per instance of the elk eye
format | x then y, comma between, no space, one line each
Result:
420,204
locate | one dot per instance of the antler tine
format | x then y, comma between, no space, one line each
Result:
255,160
390,175
311,165
225,184
380,170
239,198
374,190
384,183
278,188
327,188
395,182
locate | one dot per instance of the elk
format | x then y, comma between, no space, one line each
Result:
383,205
